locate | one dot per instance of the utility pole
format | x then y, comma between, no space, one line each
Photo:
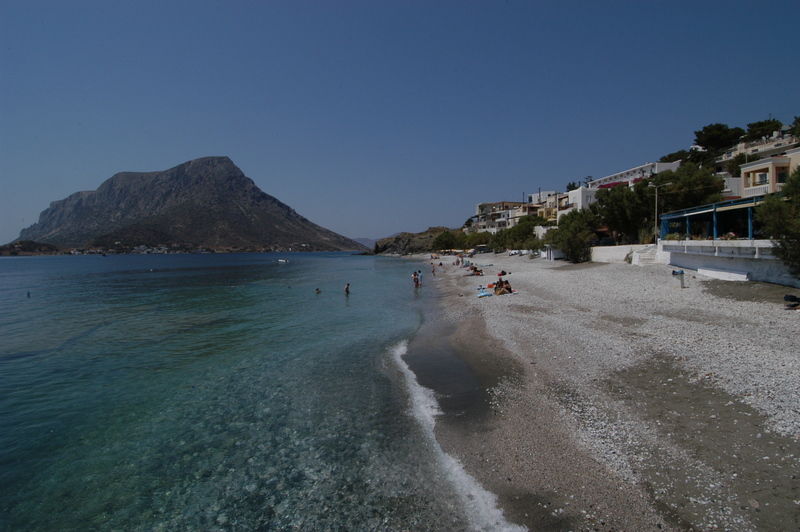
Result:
655,211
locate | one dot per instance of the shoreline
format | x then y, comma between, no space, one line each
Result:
614,400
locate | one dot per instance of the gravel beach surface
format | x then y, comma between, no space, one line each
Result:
618,400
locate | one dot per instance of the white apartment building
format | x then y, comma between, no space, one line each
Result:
632,175
777,143
763,176
579,198
541,196
495,216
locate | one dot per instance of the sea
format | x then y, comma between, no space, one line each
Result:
221,392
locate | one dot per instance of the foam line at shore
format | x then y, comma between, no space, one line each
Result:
480,505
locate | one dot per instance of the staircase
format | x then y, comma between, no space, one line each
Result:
645,256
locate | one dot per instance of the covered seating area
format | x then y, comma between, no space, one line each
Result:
729,220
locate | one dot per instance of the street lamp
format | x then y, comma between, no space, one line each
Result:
655,217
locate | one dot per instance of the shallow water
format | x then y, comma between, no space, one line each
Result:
198,391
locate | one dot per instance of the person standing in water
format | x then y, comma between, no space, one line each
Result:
347,289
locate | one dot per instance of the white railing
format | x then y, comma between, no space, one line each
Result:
759,190
748,249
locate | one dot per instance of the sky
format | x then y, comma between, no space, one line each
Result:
371,118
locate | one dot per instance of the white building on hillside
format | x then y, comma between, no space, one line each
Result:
763,176
494,216
632,175
778,142
541,196
579,198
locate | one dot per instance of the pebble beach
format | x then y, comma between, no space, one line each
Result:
618,400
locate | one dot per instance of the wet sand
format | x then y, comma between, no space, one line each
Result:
604,397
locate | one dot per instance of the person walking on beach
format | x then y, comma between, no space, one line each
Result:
347,289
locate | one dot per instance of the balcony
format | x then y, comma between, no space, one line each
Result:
758,190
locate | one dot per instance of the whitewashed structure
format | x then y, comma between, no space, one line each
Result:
632,175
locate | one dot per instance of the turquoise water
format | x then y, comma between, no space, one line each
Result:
196,392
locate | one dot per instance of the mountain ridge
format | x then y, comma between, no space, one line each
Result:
206,202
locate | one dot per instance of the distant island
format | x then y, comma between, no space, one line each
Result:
28,247
205,204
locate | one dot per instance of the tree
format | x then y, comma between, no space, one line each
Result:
624,211
779,216
445,240
573,185
691,186
795,127
574,235
680,155
734,165
628,211
717,137
764,128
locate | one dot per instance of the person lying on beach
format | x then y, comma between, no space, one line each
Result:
473,270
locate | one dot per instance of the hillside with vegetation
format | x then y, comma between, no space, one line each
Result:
406,243
28,247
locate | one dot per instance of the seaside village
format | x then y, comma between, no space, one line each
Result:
720,240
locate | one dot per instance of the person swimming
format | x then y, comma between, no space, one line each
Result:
347,289
317,291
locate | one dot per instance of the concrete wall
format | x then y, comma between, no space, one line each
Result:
613,253
732,256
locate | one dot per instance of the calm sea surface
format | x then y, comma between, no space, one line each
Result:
196,392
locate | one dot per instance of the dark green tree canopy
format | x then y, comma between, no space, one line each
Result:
624,210
445,240
680,155
572,185
764,128
795,127
717,137
629,211
691,186
575,234
733,166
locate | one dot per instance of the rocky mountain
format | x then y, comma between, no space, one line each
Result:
368,243
404,243
205,202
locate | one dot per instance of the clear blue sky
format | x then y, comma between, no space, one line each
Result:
376,117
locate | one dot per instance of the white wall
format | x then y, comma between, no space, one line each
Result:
613,253
766,269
